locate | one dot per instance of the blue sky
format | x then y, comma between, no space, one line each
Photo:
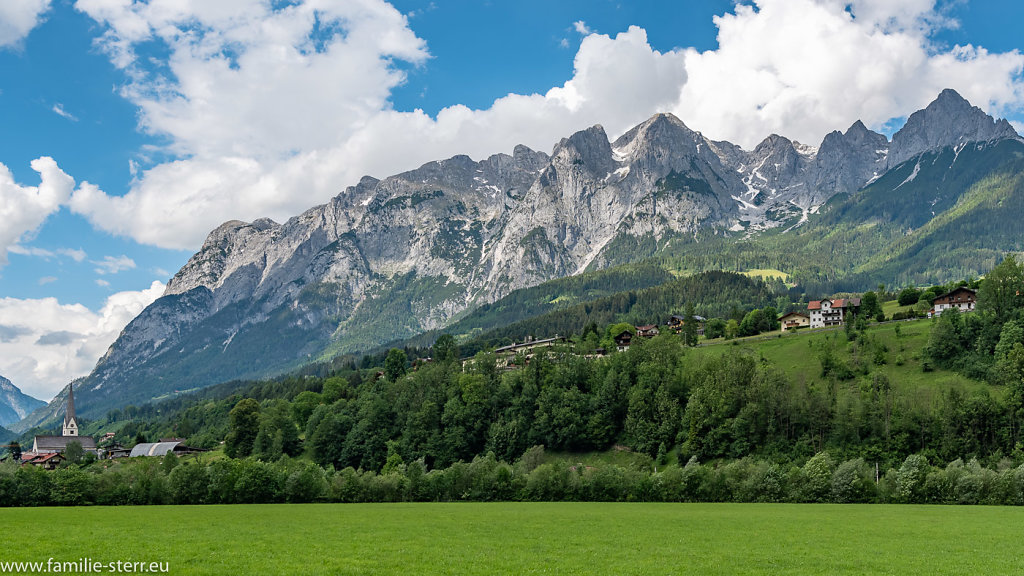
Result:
165,118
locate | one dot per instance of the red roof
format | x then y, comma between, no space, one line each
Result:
33,458
837,303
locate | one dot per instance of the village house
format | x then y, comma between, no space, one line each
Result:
116,450
48,461
825,313
794,320
962,298
676,323
623,340
647,331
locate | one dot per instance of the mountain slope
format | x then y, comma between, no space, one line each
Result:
14,404
389,259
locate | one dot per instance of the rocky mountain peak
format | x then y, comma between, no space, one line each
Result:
949,120
661,132
14,404
588,147
774,145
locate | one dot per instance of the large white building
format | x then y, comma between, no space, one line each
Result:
831,312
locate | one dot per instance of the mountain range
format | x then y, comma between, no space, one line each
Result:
15,404
392,258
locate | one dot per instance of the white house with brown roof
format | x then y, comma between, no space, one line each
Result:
831,312
794,320
962,298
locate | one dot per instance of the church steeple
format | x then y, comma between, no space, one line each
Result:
70,424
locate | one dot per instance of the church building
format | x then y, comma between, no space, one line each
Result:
57,444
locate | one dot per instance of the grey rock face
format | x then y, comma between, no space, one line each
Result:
14,404
950,120
456,233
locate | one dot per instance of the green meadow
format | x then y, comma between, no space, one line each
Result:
796,354
540,538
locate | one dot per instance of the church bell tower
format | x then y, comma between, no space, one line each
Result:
70,424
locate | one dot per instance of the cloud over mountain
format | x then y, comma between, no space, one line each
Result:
45,344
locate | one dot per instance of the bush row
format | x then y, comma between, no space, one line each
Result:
535,477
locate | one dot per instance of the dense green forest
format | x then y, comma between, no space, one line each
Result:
712,294
548,297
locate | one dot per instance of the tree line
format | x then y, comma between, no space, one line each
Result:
532,477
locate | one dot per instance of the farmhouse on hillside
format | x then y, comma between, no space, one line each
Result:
623,340
831,312
962,298
794,320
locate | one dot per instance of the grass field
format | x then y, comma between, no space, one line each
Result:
543,538
796,354
766,273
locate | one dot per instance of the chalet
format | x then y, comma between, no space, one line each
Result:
831,312
623,340
647,331
794,320
676,323
962,298
163,448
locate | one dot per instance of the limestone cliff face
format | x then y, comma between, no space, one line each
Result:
386,259
950,120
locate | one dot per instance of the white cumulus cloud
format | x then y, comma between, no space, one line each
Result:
273,110
18,18
45,344
805,67
243,162
24,208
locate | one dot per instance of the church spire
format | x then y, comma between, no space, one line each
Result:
70,423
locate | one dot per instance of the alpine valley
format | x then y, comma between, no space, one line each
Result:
419,251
